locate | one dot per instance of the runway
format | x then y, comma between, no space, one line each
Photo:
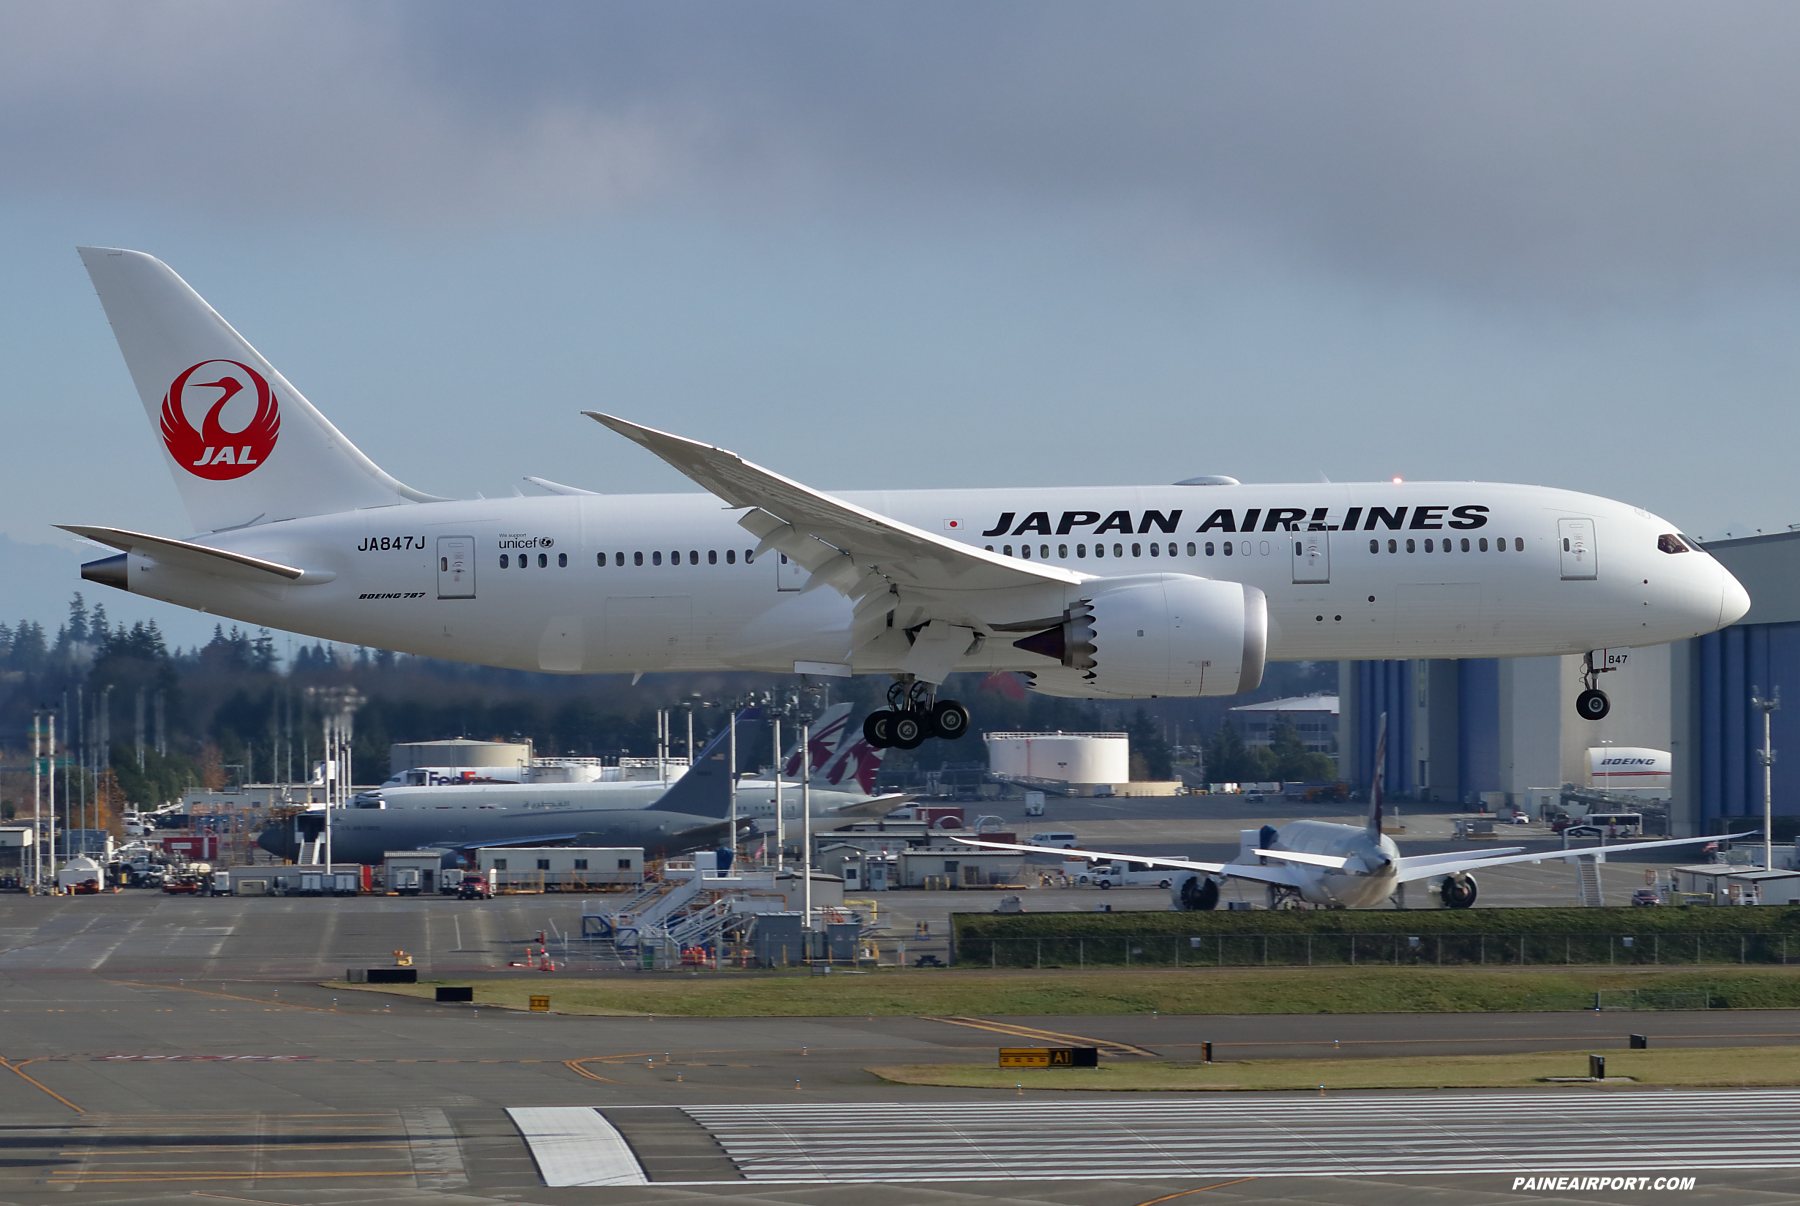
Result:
1638,1133
161,1050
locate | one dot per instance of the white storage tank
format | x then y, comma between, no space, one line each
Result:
1063,757
458,752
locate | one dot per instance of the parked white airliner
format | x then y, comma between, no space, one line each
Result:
1330,865
1115,592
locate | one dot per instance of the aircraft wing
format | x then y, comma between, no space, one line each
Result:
1261,872
795,515
1425,866
874,806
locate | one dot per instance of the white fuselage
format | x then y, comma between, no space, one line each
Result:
1366,880
630,583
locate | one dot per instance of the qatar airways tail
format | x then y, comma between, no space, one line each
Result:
1114,592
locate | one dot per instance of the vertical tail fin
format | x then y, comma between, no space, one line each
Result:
243,445
826,735
1378,778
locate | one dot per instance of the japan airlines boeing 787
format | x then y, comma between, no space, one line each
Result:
1092,591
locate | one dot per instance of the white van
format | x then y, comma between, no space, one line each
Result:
1055,841
1125,875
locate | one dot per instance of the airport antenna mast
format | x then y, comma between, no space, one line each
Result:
1766,707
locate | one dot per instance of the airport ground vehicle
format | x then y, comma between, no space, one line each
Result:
474,886
1185,589
1124,875
1055,840
406,881
1646,897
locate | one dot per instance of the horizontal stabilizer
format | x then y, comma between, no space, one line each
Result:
184,554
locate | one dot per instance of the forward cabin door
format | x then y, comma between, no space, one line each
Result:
456,567
1575,537
1312,556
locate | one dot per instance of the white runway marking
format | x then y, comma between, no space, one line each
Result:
1095,1139
574,1145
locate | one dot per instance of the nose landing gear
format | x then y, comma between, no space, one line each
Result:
1592,703
914,713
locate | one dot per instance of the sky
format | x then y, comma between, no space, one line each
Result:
919,244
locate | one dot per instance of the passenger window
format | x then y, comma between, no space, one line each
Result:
1484,544
712,556
1228,547
1081,550
730,556
1044,551
503,561
1428,547
1007,549
1410,546
1393,546
1154,546
1374,546
618,558
524,561
749,555
543,560
656,557
1190,548
562,561
637,559
1518,544
989,547
1465,544
1062,550
1025,551
600,560
1136,551
1209,548
1671,544
1099,550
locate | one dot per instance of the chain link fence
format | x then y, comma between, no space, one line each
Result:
1396,950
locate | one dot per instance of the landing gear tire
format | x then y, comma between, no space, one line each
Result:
1592,704
878,729
949,719
907,729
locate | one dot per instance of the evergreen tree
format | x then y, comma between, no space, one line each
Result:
1148,744
1293,761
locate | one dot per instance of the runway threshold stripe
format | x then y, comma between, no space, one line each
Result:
1089,1140
574,1145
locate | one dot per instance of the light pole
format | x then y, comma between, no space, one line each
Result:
1766,707
780,825
806,815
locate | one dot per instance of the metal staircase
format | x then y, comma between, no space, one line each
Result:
1587,882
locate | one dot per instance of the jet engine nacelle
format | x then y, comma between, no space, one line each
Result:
1457,891
1192,892
1157,634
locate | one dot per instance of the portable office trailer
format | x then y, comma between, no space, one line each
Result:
410,872
561,868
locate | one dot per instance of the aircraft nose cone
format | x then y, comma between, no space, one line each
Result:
1734,599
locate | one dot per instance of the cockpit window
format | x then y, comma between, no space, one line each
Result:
1671,543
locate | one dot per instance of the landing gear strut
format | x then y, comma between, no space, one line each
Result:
914,713
1592,703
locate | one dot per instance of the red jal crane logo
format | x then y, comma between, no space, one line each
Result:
212,452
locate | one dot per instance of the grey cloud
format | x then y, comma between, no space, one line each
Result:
1561,150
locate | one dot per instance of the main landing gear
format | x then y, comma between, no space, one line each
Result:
914,713
1592,703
